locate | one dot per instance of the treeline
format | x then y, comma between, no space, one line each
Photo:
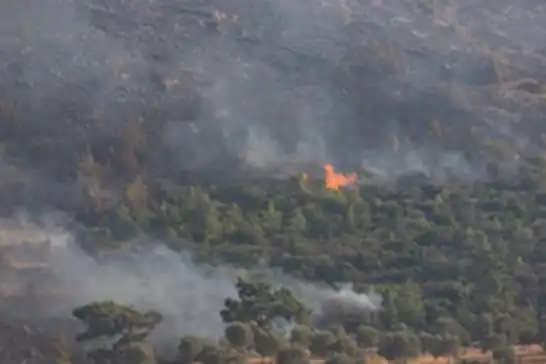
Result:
469,254
251,330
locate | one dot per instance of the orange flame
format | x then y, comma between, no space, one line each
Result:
334,181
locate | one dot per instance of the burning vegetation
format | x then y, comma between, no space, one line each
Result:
335,181
169,119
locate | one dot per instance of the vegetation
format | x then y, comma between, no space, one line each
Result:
458,263
457,260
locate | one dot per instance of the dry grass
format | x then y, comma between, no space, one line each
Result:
528,354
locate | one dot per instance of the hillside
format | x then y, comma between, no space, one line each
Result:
175,90
388,158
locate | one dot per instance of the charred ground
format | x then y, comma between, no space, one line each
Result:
165,87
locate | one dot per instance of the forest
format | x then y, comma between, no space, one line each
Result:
396,146
456,264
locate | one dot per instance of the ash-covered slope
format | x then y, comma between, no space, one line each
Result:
165,86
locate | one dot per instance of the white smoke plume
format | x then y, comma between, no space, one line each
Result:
189,295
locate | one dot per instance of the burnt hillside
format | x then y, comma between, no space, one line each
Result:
161,88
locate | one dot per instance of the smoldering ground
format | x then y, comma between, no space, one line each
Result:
264,83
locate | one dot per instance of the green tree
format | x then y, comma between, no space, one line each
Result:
123,325
272,218
322,343
446,327
136,353
292,355
409,304
399,345
494,342
211,354
347,345
440,345
389,314
260,303
301,335
504,355
266,342
367,336
239,335
483,326
297,223
189,348
106,318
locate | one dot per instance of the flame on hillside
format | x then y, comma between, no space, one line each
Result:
334,181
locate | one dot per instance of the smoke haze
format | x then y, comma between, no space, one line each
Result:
266,83
190,296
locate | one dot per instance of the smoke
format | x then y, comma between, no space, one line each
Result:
189,296
328,305
383,167
151,276
265,83
78,69
355,302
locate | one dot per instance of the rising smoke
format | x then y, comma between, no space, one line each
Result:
263,82
151,276
266,82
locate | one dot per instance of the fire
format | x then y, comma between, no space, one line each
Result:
334,181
